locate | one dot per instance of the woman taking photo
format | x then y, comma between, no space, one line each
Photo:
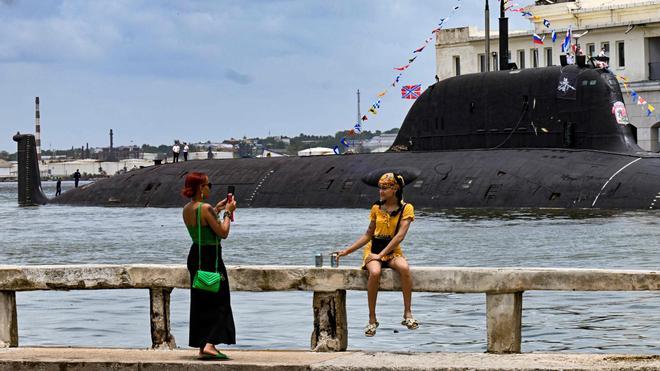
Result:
211,318
390,220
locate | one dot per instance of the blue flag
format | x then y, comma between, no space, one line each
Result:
554,36
336,150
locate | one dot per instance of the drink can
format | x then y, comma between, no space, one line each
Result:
334,263
319,260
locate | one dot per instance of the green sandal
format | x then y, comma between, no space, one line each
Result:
218,356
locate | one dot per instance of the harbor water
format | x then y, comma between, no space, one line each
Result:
612,322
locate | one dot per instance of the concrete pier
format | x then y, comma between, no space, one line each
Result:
56,359
503,289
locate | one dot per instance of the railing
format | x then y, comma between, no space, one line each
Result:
503,288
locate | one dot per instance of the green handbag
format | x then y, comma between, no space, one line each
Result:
205,280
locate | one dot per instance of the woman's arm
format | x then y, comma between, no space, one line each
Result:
366,237
220,228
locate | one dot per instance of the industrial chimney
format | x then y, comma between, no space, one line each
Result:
37,129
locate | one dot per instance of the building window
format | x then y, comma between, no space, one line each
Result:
548,57
482,63
620,54
604,49
534,53
457,65
521,59
495,63
591,50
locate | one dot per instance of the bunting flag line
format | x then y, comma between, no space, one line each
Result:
411,91
636,98
357,128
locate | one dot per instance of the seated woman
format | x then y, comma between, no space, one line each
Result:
211,317
390,220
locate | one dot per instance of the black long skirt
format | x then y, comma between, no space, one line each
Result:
211,318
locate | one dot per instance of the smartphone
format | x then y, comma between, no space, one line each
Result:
230,197
230,193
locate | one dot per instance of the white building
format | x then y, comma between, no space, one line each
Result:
271,153
316,151
92,167
628,31
5,169
380,143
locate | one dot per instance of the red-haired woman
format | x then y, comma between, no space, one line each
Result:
211,318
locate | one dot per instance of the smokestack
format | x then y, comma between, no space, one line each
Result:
112,152
504,39
37,129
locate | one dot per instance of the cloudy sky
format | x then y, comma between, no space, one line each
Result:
155,71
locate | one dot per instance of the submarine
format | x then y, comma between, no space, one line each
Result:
548,137
503,139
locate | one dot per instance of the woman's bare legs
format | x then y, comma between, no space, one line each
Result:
372,287
400,265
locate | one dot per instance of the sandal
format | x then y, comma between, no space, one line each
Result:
217,356
410,323
370,330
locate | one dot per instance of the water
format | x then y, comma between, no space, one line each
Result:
552,321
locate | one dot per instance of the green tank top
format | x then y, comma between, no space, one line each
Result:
208,237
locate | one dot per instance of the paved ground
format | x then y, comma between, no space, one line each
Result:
133,359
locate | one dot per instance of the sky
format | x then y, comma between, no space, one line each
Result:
156,71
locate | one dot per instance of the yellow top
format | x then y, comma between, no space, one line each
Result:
385,226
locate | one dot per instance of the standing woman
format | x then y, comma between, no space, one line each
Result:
390,220
211,318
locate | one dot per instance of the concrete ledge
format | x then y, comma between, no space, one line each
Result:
134,359
305,278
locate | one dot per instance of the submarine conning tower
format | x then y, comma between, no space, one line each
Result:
29,180
570,106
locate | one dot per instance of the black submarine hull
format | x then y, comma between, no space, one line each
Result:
553,137
503,178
